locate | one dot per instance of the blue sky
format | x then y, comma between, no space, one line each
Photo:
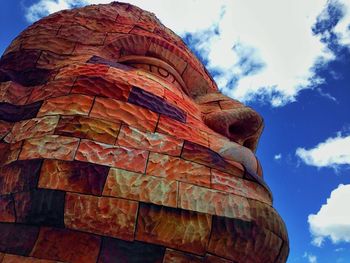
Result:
290,60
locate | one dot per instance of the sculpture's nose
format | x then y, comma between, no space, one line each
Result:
232,119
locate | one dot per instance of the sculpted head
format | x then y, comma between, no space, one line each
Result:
117,145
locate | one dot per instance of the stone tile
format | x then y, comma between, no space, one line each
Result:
40,207
50,146
113,110
5,128
9,258
66,245
173,256
213,202
14,93
32,128
28,77
130,185
243,241
284,252
19,60
17,239
101,215
73,176
98,86
7,209
156,142
197,153
53,61
9,152
182,131
214,259
81,34
174,168
147,100
19,176
175,228
14,113
88,128
115,250
67,105
81,69
119,157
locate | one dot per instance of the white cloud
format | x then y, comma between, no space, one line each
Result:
310,257
331,153
278,156
333,219
259,50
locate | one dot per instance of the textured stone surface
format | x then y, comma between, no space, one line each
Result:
73,176
13,113
174,168
66,245
130,185
50,146
88,128
156,142
9,152
9,258
7,209
14,93
101,215
5,128
176,228
173,256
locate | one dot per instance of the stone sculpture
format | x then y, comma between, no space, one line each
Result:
116,146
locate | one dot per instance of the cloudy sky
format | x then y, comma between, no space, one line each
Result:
290,60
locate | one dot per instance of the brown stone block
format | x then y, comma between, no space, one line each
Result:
214,259
130,114
243,241
174,168
83,69
182,131
120,157
175,228
5,128
67,105
101,87
9,152
73,176
19,176
213,202
50,60
282,257
8,258
66,245
156,142
129,185
14,93
173,256
81,35
47,42
103,25
7,209
88,128
50,146
101,215
32,128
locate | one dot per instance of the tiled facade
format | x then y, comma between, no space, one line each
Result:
116,146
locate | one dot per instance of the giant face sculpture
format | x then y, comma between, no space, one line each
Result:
118,147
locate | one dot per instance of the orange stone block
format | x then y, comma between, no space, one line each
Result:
130,185
101,215
66,245
173,256
50,146
7,209
182,131
82,70
113,110
119,157
88,128
67,105
9,258
213,202
32,128
81,34
174,168
14,93
175,228
156,142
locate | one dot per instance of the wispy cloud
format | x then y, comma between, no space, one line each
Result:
256,50
333,152
310,257
333,219
277,156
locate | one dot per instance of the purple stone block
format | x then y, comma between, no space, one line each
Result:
14,113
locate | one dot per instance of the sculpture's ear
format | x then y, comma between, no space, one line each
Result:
232,119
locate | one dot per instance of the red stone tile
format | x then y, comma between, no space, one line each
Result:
101,215
173,256
82,69
156,142
8,258
213,202
50,146
32,128
182,131
175,228
119,157
7,209
103,25
88,128
73,176
174,168
14,93
130,185
67,105
5,128
66,245
9,152
81,34
130,114
104,87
